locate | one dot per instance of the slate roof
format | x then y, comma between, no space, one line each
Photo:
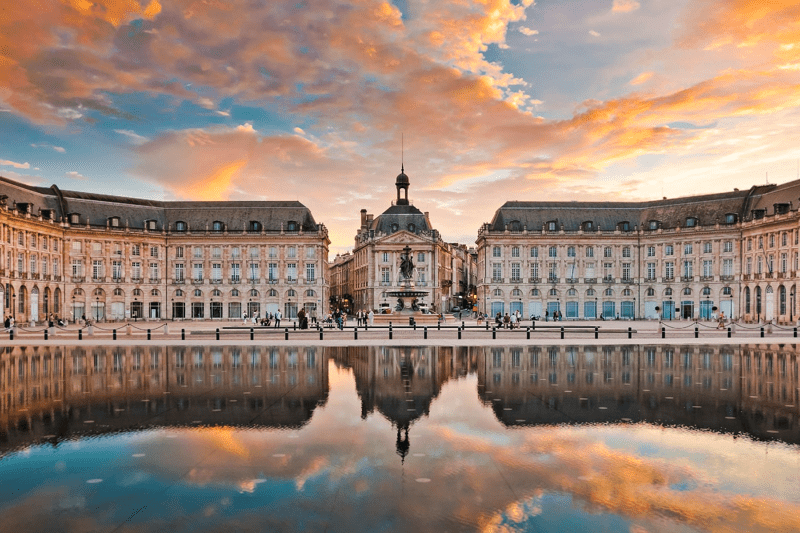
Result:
133,212
707,209
402,215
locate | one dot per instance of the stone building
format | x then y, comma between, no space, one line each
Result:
676,258
444,269
113,258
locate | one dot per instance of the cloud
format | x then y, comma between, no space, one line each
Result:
7,163
528,31
594,33
625,6
58,149
641,78
134,137
75,175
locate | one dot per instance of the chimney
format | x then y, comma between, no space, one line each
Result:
363,218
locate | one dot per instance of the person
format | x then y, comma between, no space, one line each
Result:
506,321
513,320
255,318
721,324
371,317
278,318
546,314
7,323
301,319
244,317
314,315
601,316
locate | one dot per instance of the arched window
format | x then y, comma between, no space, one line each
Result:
706,291
587,226
726,291
516,292
497,292
535,292
137,292
254,226
217,226
651,292
687,291
273,293
553,292
198,293
747,300
412,228
179,293
691,222
626,292
118,292
291,226
572,292
290,293
609,292
235,292
216,292
310,293
515,226
154,292
180,226
667,292
590,292
253,293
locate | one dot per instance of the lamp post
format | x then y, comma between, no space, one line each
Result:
135,309
73,310
172,301
671,309
595,308
634,308
97,309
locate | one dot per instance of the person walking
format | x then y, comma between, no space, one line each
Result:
546,314
313,314
371,317
277,318
244,317
721,324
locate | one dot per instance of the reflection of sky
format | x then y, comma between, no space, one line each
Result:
464,471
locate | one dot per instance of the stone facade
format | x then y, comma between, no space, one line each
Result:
113,258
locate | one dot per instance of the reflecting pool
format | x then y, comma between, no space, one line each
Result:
514,438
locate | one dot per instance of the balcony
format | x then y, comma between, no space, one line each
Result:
136,280
178,281
726,278
516,280
56,278
687,278
385,283
78,279
497,280
590,280
552,279
706,278
23,275
35,276
571,281
534,280
311,282
271,281
216,281
235,280
669,278
253,281
608,279
627,280
769,275
98,279
650,278
198,281
291,281
155,280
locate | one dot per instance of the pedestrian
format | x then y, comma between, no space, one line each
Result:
277,318
513,320
546,314
301,319
7,323
371,317
314,315
244,317
721,324
506,321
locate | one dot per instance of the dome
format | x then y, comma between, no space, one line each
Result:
402,179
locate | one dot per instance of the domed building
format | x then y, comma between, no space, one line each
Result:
361,280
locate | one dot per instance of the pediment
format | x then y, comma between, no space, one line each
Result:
402,237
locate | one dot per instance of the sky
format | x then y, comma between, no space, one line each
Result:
495,100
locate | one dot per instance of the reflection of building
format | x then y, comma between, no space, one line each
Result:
731,389
445,270
73,253
400,383
53,390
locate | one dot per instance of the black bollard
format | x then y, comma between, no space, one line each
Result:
494,332
596,332
795,332
439,326
762,331
729,332
286,334
148,334
294,325
629,333
462,324
355,334
114,334
390,331
528,333
11,334
663,332
183,334
425,332
217,333
80,335
320,333
415,325
459,333
696,332
252,334
562,332
533,325
45,334
487,324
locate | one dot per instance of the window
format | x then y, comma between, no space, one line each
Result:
589,251
552,251
706,247
535,270
216,252
687,269
772,240
669,270
571,251
179,272
626,271
272,271
412,228
653,225
706,291
497,271
760,242
77,267
217,226
76,245
253,274
687,249
253,252
515,251
608,292
254,226
421,257
651,251
311,252
784,262
667,292
385,275
708,268
727,267
179,252
626,251
135,249
669,250
687,291
607,251
291,271
783,239
311,271
74,218
97,269
113,222
587,226
236,272
608,271
650,292
385,257
625,226
551,226
730,218
534,251
197,271
154,251
515,272
273,252
136,270
180,226
651,271
151,225
726,291
552,273
691,222
727,246
496,251
154,271
216,272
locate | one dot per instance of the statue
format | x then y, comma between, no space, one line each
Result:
406,265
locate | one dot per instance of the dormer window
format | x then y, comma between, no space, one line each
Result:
412,228
515,225
587,226
150,225
691,222
730,218
395,227
74,218
180,226
113,222
217,226
254,225
47,214
653,225
759,213
291,226
625,226
781,209
551,225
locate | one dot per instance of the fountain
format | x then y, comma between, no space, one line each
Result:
408,298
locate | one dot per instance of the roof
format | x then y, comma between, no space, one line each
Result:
96,209
401,217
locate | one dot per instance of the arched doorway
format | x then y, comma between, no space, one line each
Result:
34,308
98,304
770,305
21,299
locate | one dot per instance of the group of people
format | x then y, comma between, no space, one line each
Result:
509,321
556,315
273,319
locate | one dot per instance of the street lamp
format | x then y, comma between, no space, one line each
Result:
97,309
595,307
634,308
135,309
173,309
671,309
73,310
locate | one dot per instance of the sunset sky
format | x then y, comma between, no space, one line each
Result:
306,100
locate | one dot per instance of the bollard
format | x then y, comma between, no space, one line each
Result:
252,333
487,323
415,325
355,334
114,334
426,332
696,332
390,331
217,333
45,334
795,332
320,333
80,335
294,325
596,332
663,332
128,327
562,332
148,334
528,333
183,334
630,333
286,334
533,325
166,329
439,326
762,331
462,324
11,334
459,333
729,332
494,332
